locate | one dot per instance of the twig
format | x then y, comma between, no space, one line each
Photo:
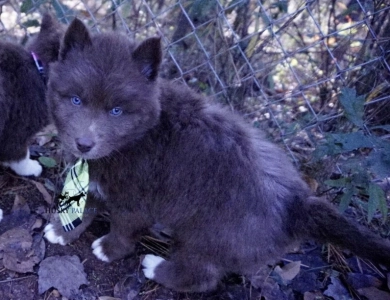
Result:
17,279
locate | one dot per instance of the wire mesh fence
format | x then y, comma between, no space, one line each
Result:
281,63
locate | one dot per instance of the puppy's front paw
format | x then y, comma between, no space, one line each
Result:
53,236
97,247
150,263
109,248
25,167
32,168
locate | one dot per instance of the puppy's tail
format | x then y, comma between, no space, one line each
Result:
321,221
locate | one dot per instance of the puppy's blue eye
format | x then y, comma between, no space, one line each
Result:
116,111
76,100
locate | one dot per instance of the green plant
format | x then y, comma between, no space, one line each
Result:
362,155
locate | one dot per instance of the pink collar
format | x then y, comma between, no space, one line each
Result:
39,66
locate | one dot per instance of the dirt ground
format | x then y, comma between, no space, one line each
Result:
310,272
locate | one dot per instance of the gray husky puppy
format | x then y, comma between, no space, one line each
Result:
23,108
163,159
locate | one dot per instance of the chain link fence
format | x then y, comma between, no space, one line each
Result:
282,63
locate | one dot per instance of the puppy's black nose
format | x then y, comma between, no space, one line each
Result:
85,144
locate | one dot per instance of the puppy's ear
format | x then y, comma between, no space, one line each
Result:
48,23
76,38
47,43
148,57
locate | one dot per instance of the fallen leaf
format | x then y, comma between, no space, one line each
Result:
48,162
336,290
312,183
128,288
270,290
260,277
359,281
17,218
50,185
37,224
41,188
65,273
372,293
288,272
55,293
20,204
21,288
21,252
313,296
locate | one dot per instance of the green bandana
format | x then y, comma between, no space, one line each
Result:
74,196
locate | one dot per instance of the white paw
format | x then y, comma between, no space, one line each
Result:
25,167
51,236
98,250
150,263
1,214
